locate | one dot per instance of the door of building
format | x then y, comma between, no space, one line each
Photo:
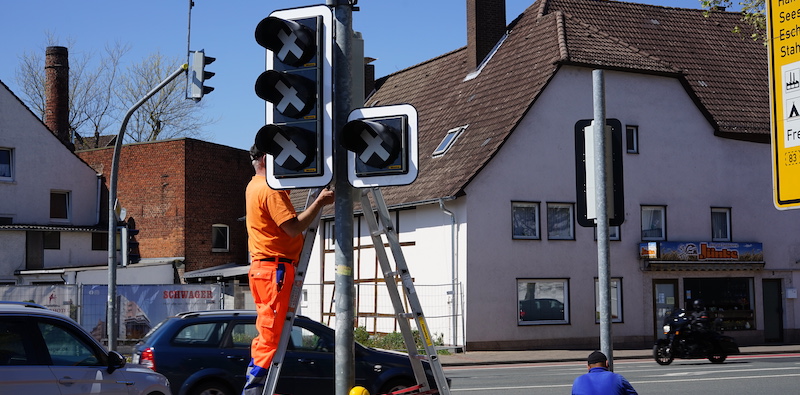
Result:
773,310
665,300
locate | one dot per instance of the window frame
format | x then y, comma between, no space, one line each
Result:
10,164
536,228
632,139
551,235
614,295
663,217
215,229
727,212
523,289
51,240
448,140
67,206
613,233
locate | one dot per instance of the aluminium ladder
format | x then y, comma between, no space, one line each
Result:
383,225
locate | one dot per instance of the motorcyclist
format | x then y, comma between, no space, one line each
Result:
700,317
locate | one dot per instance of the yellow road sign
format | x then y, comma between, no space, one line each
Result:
783,25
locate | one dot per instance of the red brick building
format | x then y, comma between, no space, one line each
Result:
186,197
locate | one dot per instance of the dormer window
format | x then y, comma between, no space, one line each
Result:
448,140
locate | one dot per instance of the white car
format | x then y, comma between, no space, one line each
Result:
44,352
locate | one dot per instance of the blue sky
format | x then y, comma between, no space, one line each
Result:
399,33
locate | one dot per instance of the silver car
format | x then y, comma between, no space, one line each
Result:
44,352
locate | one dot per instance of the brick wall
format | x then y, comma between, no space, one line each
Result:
486,24
176,190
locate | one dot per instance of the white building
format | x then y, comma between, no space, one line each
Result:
496,211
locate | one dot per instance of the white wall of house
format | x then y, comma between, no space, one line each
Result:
681,164
425,234
41,165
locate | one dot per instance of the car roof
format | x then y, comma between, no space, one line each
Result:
27,308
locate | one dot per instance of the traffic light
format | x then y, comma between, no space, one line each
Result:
198,75
383,145
129,247
585,168
296,86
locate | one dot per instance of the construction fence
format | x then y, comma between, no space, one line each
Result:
141,307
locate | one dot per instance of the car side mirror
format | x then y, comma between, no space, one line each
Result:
115,361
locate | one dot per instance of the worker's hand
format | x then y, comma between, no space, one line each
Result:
325,197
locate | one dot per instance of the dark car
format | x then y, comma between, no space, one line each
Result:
206,353
45,352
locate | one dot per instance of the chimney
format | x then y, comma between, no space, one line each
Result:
56,112
486,25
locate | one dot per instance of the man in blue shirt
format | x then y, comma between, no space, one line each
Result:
599,381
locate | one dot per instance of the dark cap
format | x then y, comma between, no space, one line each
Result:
256,153
596,357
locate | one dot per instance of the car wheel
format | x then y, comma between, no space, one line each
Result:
211,388
396,384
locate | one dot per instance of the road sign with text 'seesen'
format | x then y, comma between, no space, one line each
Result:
783,20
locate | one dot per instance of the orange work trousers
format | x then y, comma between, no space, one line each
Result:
271,296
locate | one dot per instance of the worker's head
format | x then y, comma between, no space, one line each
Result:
256,155
597,359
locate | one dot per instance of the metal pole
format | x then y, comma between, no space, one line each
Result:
603,270
344,352
111,318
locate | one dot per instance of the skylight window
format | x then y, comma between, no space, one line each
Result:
448,140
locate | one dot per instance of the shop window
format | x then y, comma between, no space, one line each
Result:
525,220
560,221
6,165
632,139
720,224
654,224
59,206
543,301
730,300
220,237
51,240
616,300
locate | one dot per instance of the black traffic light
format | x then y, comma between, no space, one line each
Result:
584,173
129,247
296,86
198,75
383,142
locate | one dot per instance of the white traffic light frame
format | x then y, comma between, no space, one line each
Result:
326,110
412,147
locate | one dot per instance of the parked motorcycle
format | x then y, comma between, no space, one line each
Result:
684,341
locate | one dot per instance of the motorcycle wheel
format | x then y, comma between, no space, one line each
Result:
717,357
661,355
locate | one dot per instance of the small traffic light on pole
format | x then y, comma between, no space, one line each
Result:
297,88
129,247
383,145
198,75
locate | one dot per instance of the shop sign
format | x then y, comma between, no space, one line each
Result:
701,251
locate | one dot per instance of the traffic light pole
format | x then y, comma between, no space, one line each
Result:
344,351
603,256
111,318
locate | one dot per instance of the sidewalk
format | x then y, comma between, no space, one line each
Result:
501,357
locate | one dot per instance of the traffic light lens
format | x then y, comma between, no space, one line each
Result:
293,95
376,144
292,148
292,43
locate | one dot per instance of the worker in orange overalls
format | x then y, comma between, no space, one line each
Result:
275,240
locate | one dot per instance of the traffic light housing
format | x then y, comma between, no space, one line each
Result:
383,146
584,173
297,88
129,247
198,75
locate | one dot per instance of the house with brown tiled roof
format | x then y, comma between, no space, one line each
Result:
490,225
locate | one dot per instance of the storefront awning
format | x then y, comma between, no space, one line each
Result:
667,266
